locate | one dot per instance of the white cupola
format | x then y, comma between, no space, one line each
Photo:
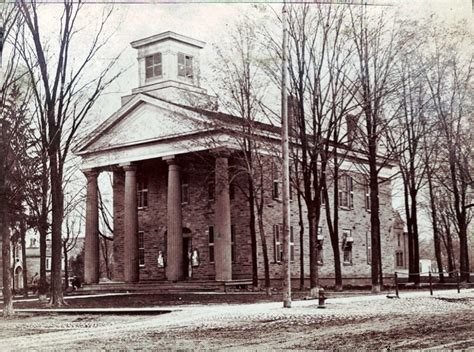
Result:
168,67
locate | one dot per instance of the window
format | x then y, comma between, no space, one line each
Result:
153,66
211,190
184,189
277,245
232,243
211,244
347,241
142,192
48,264
33,243
399,259
368,241
367,195
319,245
292,245
346,196
141,248
276,189
399,239
185,65
323,199
276,184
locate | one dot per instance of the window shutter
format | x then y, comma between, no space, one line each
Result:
351,192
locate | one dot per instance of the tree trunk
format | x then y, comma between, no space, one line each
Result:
57,213
23,256
301,224
66,267
43,227
464,252
6,263
460,213
335,226
449,248
253,232
434,223
375,222
313,254
5,228
411,256
263,238
416,246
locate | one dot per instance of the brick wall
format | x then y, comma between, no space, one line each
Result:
198,215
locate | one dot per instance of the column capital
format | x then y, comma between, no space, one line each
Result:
91,173
128,167
221,152
170,160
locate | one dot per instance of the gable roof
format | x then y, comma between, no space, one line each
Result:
149,120
106,136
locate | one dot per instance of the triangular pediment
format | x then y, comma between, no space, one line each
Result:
144,119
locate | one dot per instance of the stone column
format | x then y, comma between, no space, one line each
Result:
174,250
91,254
131,265
222,238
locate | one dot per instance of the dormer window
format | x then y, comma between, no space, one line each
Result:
153,66
185,66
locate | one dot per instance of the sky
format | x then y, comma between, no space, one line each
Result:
207,22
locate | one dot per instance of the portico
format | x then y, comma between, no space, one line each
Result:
125,187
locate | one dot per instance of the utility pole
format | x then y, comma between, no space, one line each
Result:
286,167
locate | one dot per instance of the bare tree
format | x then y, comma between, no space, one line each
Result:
377,42
449,74
13,147
69,242
412,129
64,95
320,75
240,80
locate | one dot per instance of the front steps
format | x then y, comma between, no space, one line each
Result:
154,287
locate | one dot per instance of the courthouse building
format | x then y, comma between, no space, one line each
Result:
179,208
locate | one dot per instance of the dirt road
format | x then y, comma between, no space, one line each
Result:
375,322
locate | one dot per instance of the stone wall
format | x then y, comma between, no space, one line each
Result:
198,215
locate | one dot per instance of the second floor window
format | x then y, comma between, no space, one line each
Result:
276,191
276,181
142,192
367,195
346,194
185,66
153,66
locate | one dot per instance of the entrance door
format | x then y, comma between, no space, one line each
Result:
187,253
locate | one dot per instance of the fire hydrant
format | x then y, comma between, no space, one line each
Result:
321,299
